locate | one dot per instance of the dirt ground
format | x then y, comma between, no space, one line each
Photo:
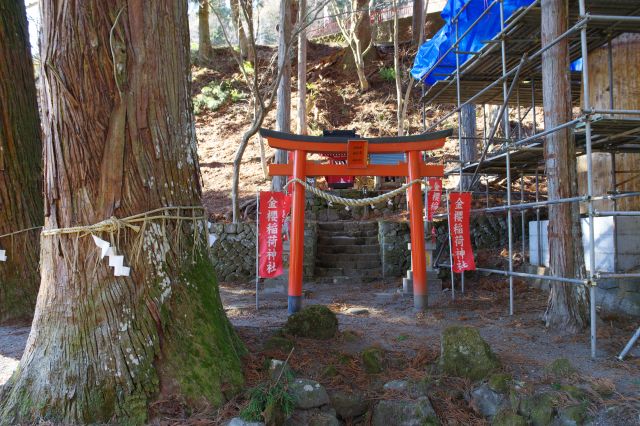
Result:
13,338
412,341
521,342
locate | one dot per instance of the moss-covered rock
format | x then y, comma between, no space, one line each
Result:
508,418
500,382
315,321
487,401
404,413
573,415
539,409
373,360
349,405
463,353
560,368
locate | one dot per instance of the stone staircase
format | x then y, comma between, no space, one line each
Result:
348,251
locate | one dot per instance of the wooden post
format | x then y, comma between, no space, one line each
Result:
296,248
418,260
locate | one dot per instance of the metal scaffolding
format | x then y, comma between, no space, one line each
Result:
507,71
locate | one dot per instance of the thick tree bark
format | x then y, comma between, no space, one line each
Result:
567,308
283,100
468,146
103,348
205,51
20,167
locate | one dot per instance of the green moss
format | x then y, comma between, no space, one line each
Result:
373,359
329,371
574,414
500,382
206,360
315,321
560,368
344,359
508,418
463,353
539,409
133,411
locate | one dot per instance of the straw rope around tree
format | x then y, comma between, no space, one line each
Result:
138,223
351,202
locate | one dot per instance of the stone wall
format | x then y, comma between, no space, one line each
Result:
614,296
310,243
234,252
319,210
394,238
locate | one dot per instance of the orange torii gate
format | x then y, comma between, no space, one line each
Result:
357,150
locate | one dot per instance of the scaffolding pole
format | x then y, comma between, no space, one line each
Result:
592,248
506,94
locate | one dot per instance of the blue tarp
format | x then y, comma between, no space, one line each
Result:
488,26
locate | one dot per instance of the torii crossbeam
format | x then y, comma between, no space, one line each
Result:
357,150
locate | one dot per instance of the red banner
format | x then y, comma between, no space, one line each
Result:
461,251
274,207
434,196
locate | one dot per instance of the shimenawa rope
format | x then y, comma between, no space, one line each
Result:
350,202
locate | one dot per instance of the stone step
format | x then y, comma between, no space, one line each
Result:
347,225
349,233
348,272
357,257
347,241
347,249
343,280
347,262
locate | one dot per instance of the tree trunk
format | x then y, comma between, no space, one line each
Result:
362,38
236,15
20,167
468,146
103,348
417,22
567,308
363,27
205,51
397,69
302,71
283,101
